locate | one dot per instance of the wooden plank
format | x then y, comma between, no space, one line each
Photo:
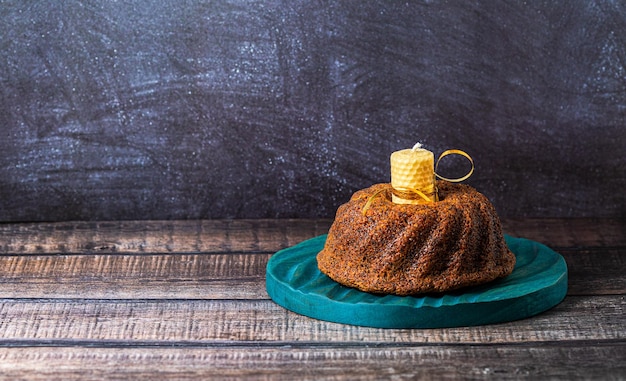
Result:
222,276
220,236
576,232
199,322
218,276
145,300
580,361
202,236
167,276
596,272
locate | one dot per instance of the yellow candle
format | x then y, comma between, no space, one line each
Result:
412,173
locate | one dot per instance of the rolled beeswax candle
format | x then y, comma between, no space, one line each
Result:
411,170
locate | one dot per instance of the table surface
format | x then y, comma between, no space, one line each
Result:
187,300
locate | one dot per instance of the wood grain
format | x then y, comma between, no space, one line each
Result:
550,361
211,276
570,232
186,300
203,259
180,276
182,322
206,236
262,235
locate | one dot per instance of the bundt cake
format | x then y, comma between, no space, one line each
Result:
414,249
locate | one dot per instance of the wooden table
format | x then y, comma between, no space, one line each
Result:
187,299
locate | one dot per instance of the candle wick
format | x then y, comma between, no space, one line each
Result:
417,146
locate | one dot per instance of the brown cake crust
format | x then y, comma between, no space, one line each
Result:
413,249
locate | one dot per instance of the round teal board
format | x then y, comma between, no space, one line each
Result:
538,283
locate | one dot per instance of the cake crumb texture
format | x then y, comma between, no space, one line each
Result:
415,249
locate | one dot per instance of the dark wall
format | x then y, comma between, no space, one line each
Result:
248,109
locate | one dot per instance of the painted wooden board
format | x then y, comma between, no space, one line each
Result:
538,283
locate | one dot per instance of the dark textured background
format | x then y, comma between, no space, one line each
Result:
247,109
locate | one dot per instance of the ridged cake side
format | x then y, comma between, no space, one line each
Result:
413,249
